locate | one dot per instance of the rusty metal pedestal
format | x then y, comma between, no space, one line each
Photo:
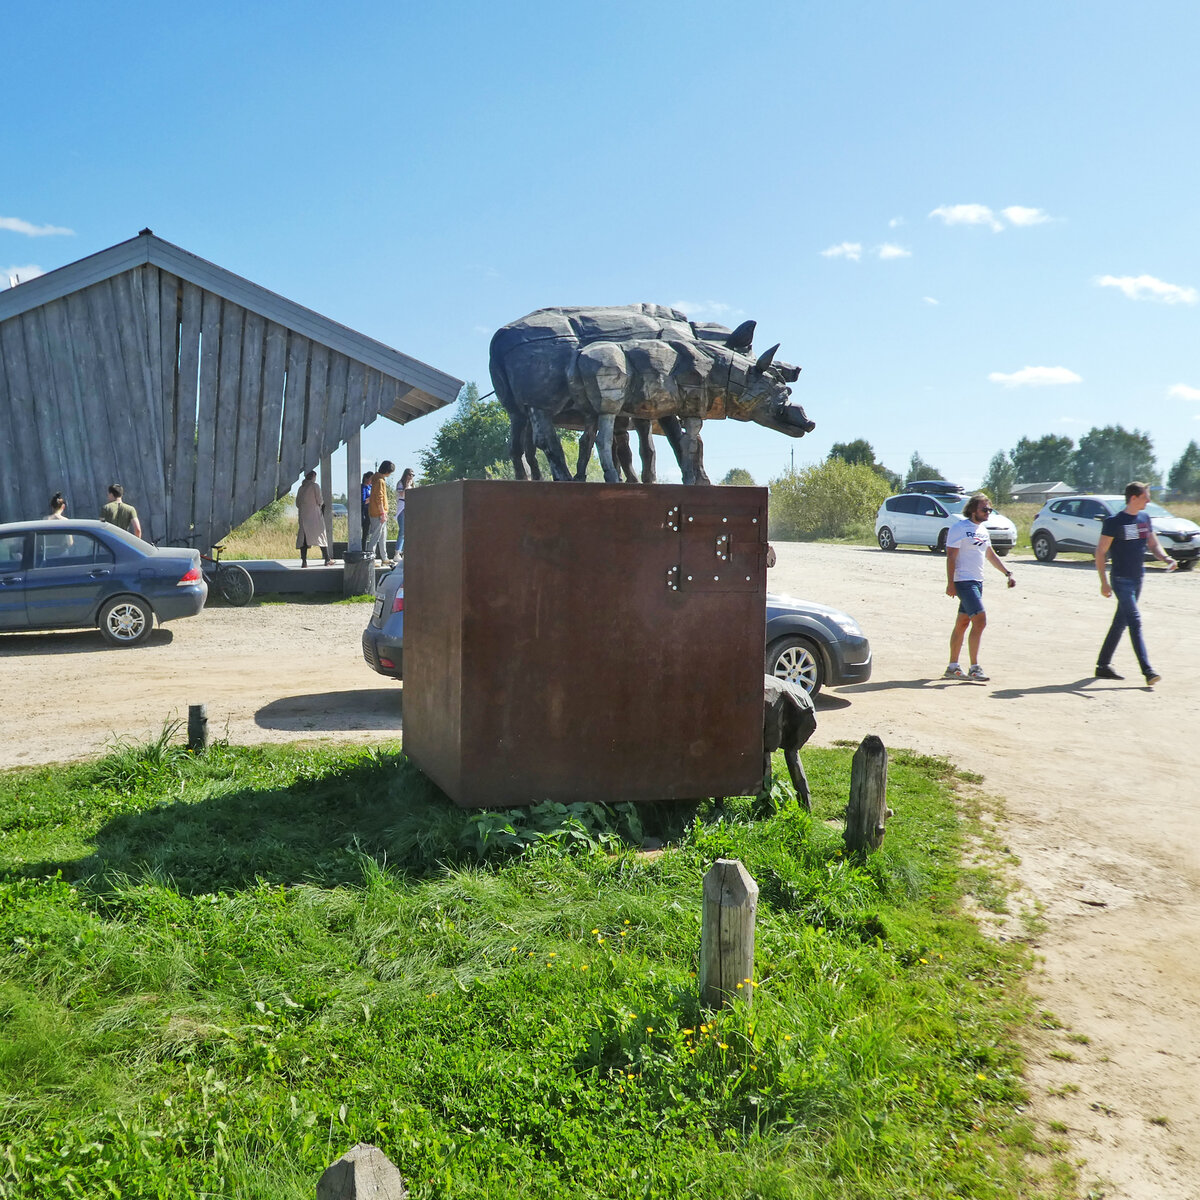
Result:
584,642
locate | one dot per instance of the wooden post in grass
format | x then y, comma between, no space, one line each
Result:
364,1172
867,812
197,727
727,934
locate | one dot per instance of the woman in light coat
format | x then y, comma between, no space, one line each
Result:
310,507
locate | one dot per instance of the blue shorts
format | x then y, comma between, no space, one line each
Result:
970,596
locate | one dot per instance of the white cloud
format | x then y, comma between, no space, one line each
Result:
21,274
16,225
1146,287
706,310
890,250
1035,377
850,250
1016,214
895,222
930,300
1181,391
968,214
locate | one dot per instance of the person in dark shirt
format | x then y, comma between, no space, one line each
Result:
1127,534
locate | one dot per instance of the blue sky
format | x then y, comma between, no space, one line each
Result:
967,223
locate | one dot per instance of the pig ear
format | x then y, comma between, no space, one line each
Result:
742,338
765,361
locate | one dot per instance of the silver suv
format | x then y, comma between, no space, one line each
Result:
920,519
1074,522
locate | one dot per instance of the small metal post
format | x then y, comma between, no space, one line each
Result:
197,727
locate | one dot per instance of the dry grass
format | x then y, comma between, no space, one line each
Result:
276,539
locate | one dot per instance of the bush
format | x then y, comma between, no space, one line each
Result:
826,500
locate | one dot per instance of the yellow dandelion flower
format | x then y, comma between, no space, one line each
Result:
740,985
553,954
753,984
626,922
787,1037
624,932
723,1045
925,961
649,1028
688,1031
595,931
983,1077
584,967
753,1067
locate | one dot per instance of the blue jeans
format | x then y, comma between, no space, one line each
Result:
400,534
1127,616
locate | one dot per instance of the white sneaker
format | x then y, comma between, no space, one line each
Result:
976,673
954,671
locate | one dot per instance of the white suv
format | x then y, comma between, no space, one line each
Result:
919,519
1074,522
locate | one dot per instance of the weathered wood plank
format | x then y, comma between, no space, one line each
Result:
77,440
327,494
314,411
104,400
247,420
295,405
147,294
867,812
339,373
146,414
56,466
101,460
30,497
394,403
10,480
228,387
182,451
271,409
356,400
206,419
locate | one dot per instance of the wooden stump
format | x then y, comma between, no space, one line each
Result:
727,934
867,812
364,1172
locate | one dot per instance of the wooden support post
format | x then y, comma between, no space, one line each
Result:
197,727
354,532
867,812
727,934
327,494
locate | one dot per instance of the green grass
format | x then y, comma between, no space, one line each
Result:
218,972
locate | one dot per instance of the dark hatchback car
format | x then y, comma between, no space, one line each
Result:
73,574
810,644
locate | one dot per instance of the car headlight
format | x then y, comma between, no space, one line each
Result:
846,624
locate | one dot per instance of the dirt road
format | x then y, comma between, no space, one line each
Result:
1095,778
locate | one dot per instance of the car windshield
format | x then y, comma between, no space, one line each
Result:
1157,510
952,504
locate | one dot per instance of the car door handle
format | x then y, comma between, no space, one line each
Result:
9,580
100,572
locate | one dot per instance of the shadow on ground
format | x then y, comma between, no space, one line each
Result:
76,641
365,708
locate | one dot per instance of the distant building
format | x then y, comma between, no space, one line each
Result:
1039,493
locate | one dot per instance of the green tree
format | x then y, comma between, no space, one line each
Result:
1000,478
861,452
1107,459
738,477
1184,476
471,444
918,468
1045,461
826,500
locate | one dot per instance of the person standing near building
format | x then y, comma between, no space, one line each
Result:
406,481
310,508
968,547
1128,535
58,508
117,512
366,501
377,506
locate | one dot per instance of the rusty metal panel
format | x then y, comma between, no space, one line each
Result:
556,649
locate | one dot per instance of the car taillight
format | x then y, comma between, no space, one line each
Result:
398,603
192,576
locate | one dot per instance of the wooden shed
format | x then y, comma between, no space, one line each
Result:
203,394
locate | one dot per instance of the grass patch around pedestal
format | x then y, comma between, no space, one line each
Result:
219,971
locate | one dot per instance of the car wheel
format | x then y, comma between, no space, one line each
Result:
940,548
1002,551
886,539
797,660
1186,564
126,621
235,585
1044,548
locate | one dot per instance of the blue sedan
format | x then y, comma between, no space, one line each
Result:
810,644
74,574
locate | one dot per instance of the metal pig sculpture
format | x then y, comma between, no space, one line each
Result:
591,366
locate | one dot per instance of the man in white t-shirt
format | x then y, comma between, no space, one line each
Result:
968,547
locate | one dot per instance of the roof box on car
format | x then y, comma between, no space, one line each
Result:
934,487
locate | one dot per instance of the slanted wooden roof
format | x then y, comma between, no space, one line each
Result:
204,394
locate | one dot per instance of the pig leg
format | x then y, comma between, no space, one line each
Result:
692,452
646,449
546,438
587,439
604,445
